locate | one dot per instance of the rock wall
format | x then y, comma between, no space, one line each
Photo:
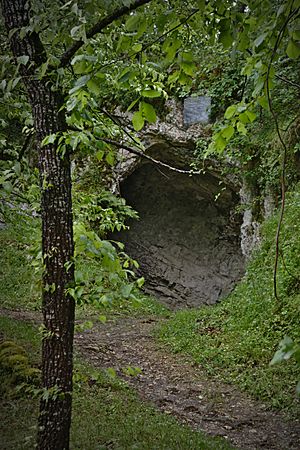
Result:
188,238
187,243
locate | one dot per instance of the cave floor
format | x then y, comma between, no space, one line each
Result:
177,386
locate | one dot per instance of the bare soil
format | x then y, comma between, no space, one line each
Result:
177,387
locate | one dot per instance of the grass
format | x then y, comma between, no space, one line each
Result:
236,339
17,275
106,413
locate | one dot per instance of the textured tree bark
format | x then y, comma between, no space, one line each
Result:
58,308
57,234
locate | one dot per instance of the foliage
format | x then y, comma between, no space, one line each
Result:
264,44
115,269
287,349
135,64
17,277
103,211
236,339
21,265
19,185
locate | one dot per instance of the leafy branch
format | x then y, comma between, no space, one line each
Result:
280,36
97,28
183,21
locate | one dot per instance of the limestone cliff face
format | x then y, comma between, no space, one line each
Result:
190,241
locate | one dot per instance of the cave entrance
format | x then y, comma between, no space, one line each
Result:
186,241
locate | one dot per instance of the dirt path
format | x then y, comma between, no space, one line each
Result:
176,387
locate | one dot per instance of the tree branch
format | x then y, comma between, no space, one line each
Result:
284,147
98,27
137,152
149,44
286,80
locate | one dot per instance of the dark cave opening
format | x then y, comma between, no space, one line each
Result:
186,241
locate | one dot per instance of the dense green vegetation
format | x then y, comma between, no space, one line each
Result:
79,64
236,339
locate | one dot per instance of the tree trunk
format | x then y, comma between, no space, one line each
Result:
58,308
57,235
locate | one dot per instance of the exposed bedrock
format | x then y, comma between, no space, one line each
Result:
186,242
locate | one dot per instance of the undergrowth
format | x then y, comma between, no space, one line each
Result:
106,413
17,276
20,274
236,339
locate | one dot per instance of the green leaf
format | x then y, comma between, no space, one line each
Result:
258,41
82,81
3,85
244,41
219,142
281,354
230,111
137,48
133,103
243,117
293,49
82,67
125,75
78,32
111,372
228,132
132,23
126,290
173,77
248,68
241,128
138,120
258,86
7,186
170,46
151,93
93,86
263,101
226,38
49,139
23,59
99,155
296,35
188,68
187,56
17,168
110,158
148,112
140,282
251,115
200,4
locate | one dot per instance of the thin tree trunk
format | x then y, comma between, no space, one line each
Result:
57,235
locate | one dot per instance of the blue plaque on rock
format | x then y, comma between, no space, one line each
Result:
196,110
